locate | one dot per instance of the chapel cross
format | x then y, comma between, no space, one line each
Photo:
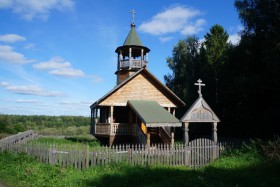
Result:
133,12
199,84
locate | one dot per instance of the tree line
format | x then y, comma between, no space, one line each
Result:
242,80
12,124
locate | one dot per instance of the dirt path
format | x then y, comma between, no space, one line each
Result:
2,185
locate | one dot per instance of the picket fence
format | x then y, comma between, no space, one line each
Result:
21,137
197,153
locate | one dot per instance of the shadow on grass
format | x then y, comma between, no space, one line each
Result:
262,174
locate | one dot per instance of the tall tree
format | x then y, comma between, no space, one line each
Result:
215,55
253,70
183,66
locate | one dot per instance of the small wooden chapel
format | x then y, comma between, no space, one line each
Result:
139,109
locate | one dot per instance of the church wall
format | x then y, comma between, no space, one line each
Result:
122,76
139,88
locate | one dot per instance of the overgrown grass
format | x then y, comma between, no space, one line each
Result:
78,140
244,167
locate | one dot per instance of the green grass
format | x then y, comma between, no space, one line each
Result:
79,141
245,167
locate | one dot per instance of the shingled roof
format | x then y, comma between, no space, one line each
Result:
152,114
132,38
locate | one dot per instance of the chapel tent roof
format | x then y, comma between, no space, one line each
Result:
142,70
152,114
132,38
200,111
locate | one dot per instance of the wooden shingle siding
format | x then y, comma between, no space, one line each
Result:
122,76
139,88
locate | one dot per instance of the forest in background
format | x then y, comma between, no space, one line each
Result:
242,80
44,125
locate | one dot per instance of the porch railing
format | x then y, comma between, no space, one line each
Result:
102,128
133,63
122,129
115,129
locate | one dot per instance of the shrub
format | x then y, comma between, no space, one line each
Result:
3,135
271,149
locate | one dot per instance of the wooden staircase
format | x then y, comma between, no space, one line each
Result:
159,136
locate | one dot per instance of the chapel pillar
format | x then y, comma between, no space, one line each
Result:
186,132
172,137
148,137
214,131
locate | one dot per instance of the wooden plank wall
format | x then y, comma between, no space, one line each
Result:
140,88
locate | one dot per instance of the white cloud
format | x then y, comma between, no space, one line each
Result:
53,63
234,39
5,3
235,28
7,54
67,72
86,103
165,39
26,101
59,67
96,78
11,38
29,9
29,46
174,19
30,90
67,103
194,28
4,84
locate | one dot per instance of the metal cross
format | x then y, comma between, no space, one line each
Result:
133,12
199,84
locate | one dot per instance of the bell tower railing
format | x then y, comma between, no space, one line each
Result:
133,63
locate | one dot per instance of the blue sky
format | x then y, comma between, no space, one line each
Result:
57,57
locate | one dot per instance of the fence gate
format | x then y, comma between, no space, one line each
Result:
202,151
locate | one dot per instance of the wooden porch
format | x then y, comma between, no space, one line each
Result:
117,130
124,124
107,129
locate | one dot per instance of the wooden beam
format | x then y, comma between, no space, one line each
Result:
148,138
186,133
214,131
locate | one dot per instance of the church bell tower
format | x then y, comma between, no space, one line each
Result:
132,56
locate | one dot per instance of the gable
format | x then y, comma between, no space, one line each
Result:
143,86
200,111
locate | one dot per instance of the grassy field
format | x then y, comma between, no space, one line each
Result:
245,167
77,140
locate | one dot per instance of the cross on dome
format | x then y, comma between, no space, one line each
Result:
199,84
133,12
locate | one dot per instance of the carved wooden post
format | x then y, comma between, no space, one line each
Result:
172,137
111,121
186,133
130,57
96,119
214,135
148,138
112,114
147,54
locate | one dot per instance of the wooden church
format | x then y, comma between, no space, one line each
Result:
139,109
